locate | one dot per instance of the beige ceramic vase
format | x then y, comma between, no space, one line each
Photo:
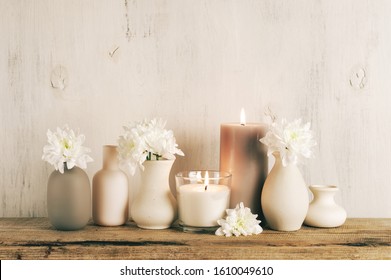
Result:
323,211
155,207
110,200
284,197
69,199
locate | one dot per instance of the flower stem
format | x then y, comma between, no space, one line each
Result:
150,154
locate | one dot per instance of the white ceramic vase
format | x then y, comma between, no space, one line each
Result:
284,197
323,211
155,207
110,201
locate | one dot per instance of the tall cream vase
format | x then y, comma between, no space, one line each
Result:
155,207
284,197
110,193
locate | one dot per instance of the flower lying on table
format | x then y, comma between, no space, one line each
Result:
146,140
239,221
65,147
293,141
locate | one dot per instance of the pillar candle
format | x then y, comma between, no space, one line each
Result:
245,158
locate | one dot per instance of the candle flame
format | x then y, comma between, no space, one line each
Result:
206,180
242,117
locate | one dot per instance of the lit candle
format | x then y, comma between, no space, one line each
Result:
245,158
202,200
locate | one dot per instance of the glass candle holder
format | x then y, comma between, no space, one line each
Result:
203,197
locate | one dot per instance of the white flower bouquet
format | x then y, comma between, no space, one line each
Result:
293,141
65,147
146,140
239,221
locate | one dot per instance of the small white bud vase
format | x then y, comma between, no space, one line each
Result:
284,197
69,199
323,211
155,207
110,199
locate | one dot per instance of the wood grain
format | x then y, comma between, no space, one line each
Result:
195,63
34,238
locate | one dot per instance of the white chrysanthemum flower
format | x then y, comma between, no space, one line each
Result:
293,141
132,148
146,140
239,221
65,147
161,142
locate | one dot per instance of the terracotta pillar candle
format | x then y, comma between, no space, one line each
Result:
245,158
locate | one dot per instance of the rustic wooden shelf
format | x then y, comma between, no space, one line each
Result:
35,238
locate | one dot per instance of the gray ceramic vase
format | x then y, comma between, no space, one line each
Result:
69,199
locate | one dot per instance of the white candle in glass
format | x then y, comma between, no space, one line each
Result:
202,204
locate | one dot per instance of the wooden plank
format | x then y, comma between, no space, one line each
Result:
34,238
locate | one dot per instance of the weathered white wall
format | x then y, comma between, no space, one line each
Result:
196,63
